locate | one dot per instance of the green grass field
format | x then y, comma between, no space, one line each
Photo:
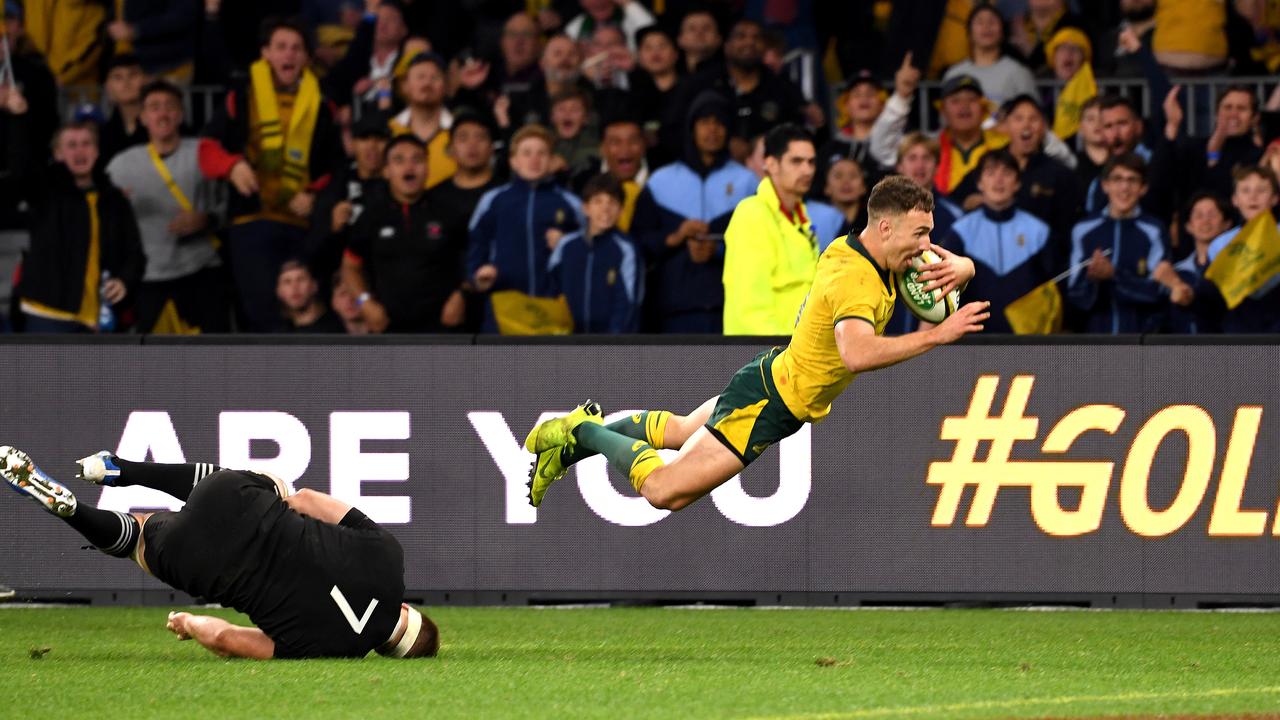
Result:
669,663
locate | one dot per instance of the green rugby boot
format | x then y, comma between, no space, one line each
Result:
548,441
558,432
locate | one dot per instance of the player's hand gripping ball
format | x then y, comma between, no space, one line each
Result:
932,307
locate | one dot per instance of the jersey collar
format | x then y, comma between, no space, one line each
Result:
856,243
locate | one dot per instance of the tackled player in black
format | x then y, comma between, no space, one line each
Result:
316,576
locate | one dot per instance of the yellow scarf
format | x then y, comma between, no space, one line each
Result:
287,152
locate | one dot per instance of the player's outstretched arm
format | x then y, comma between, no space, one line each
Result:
221,637
862,350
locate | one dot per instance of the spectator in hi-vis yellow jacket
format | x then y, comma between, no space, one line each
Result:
771,251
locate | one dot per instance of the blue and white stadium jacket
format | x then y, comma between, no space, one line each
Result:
508,229
1010,249
602,278
1131,301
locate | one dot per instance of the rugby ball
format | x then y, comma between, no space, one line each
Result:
931,307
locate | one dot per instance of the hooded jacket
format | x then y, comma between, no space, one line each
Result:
687,189
690,189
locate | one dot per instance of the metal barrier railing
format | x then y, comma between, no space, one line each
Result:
1199,94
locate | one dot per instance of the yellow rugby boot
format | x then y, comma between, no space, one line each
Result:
558,432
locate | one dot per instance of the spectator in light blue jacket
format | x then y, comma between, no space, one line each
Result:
1010,247
599,270
1117,289
692,198
516,226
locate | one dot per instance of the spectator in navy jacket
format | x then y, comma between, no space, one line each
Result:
517,225
1117,289
1256,192
598,269
1010,247
1198,310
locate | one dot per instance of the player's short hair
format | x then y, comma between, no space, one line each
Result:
603,184
421,638
912,139
898,195
160,85
1091,103
532,131
1260,171
781,137
1128,161
1000,157
1110,102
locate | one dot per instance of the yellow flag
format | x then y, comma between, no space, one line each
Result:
1039,312
521,314
1078,90
170,322
1248,261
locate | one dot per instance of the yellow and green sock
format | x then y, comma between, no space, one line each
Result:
635,459
647,425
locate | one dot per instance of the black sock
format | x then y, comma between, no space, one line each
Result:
114,533
172,479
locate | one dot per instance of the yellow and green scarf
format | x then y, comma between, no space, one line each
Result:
288,153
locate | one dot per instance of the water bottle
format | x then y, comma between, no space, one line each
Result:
106,318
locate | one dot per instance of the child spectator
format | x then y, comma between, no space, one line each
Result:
1198,309
1256,192
1009,246
1117,289
516,226
599,270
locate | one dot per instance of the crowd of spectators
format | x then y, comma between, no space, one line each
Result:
617,166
